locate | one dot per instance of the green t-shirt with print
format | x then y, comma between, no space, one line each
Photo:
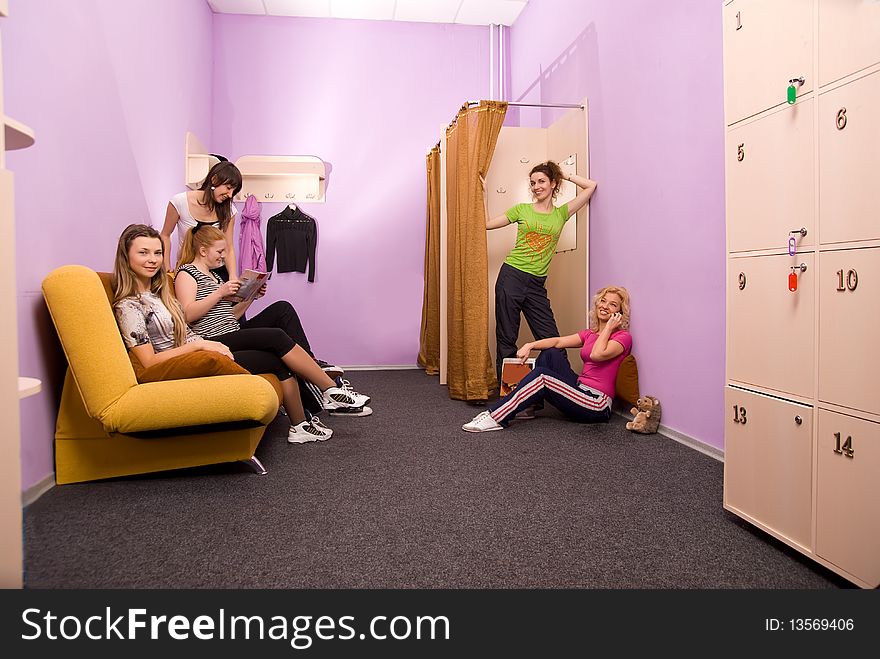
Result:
536,237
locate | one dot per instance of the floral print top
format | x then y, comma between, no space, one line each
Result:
144,319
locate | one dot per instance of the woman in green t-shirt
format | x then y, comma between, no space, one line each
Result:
520,287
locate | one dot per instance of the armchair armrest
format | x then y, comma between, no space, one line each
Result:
192,402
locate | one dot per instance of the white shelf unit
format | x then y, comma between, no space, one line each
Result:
18,136
14,135
283,179
28,387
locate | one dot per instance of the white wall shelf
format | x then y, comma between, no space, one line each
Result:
269,178
18,136
28,387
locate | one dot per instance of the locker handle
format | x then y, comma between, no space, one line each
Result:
793,278
792,90
798,420
792,242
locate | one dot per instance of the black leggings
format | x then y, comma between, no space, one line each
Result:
259,350
261,342
283,316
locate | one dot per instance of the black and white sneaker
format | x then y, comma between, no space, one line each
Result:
343,396
352,411
310,430
331,370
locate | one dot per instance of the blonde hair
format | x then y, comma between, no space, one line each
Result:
125,281
201,235
623,294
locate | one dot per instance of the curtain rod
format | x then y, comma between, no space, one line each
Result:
537,105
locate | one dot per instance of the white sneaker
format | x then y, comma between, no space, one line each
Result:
343,396
318,425
483,422
308,431
352,411
332,370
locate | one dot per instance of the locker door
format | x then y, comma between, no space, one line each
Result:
770,180
770,329
849,315
766,44
847,494
849,37
849,161
768,462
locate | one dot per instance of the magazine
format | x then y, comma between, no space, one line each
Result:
251,282
512,371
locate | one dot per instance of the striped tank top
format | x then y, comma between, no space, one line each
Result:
220,319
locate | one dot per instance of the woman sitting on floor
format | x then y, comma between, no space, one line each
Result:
584,398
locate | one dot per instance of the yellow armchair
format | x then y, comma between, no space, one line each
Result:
109,425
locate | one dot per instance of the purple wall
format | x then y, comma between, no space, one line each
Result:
369,98
652,72
110,109
103,87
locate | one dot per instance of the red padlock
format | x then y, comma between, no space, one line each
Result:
792,281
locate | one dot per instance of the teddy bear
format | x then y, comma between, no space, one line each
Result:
647,415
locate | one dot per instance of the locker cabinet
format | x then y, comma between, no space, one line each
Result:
802,426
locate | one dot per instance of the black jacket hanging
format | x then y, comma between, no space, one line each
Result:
294,235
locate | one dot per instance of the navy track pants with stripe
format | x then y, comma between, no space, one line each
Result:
553,381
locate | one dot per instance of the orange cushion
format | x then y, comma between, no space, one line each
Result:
627,384
191,365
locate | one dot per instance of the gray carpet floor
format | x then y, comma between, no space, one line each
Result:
405,499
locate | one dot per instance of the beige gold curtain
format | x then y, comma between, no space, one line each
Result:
470,143
429,338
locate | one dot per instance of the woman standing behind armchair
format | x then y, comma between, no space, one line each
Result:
210,204
154,328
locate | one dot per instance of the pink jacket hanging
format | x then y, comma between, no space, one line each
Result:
250,240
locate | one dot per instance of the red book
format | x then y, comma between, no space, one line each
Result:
512,371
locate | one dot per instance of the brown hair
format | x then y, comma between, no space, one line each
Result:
125,281
623,294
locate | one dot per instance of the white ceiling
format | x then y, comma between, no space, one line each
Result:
468,12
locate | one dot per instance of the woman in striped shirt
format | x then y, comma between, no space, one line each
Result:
209,311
